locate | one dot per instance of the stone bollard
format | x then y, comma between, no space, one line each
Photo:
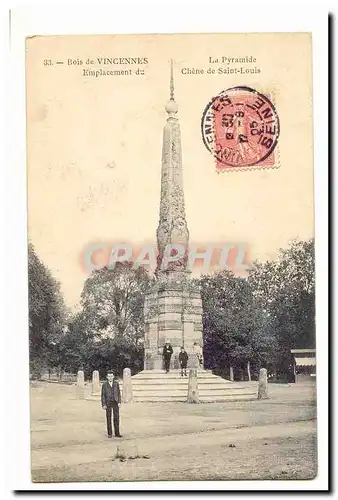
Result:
193,387
96,383
127,389
80,384
263,384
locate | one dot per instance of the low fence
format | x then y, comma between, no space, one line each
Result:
65,378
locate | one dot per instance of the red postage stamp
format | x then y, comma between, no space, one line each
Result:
240,127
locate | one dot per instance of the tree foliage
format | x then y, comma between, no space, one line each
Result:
80,349
235,331
47,313
109,330
261,318
112,302
285,292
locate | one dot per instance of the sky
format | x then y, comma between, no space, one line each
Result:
94,144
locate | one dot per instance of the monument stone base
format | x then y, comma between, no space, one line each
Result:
173,313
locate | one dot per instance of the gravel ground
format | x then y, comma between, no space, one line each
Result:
269,439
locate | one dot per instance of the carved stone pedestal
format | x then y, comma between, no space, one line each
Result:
173,313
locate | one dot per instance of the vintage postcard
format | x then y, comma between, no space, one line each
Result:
171,257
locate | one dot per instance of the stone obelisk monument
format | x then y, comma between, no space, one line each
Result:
173,308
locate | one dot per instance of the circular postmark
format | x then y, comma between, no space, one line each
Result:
240,127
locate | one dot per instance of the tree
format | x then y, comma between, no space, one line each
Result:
235,333
79,349
47,313
112,316
74,346
112,301
285,292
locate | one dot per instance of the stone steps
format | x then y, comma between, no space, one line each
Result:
172,375
202,386
158,386
174,391
179,380
203,399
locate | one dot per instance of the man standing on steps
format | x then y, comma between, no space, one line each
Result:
167,353
111,400
197,356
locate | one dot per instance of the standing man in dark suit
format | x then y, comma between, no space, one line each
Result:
111,400
167,353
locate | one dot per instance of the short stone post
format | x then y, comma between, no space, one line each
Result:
193,387
231,374
127,389
263,384
96,383
248,370
80,384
